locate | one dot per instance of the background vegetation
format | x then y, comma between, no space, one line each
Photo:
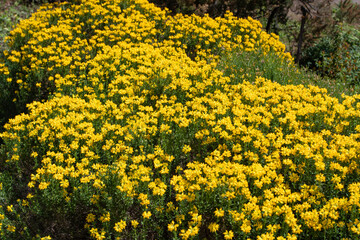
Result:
327,44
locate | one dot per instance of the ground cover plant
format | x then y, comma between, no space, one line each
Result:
240,66
337,55
11,12
134,130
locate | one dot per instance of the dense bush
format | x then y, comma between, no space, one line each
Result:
57,43
46,1
240,8
337,55
248,65
141,133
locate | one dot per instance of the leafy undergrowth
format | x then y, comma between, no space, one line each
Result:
135,130
241,66
11,12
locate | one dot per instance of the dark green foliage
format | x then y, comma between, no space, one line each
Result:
11,12
247,66
347,11
44,1
215,8
337,55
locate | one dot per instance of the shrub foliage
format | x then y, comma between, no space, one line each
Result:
337,55
132,132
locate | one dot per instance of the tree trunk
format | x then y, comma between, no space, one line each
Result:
271,18
301,34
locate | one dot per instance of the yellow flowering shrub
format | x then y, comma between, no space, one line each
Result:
137,135
60,40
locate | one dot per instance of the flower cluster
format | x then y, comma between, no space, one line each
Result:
141,137
60,40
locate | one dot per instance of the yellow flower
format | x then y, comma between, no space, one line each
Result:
43,185
98,184
90,217
134,223
29,196
25,203
320,177
213,227
94,199
228,234
10,208
246,226
228,195
46,238
146,214
105,217
11,228
120,226
186,149
144,200
172,226
64,183
219,212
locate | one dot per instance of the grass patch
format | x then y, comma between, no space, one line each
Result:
11,12
248,65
